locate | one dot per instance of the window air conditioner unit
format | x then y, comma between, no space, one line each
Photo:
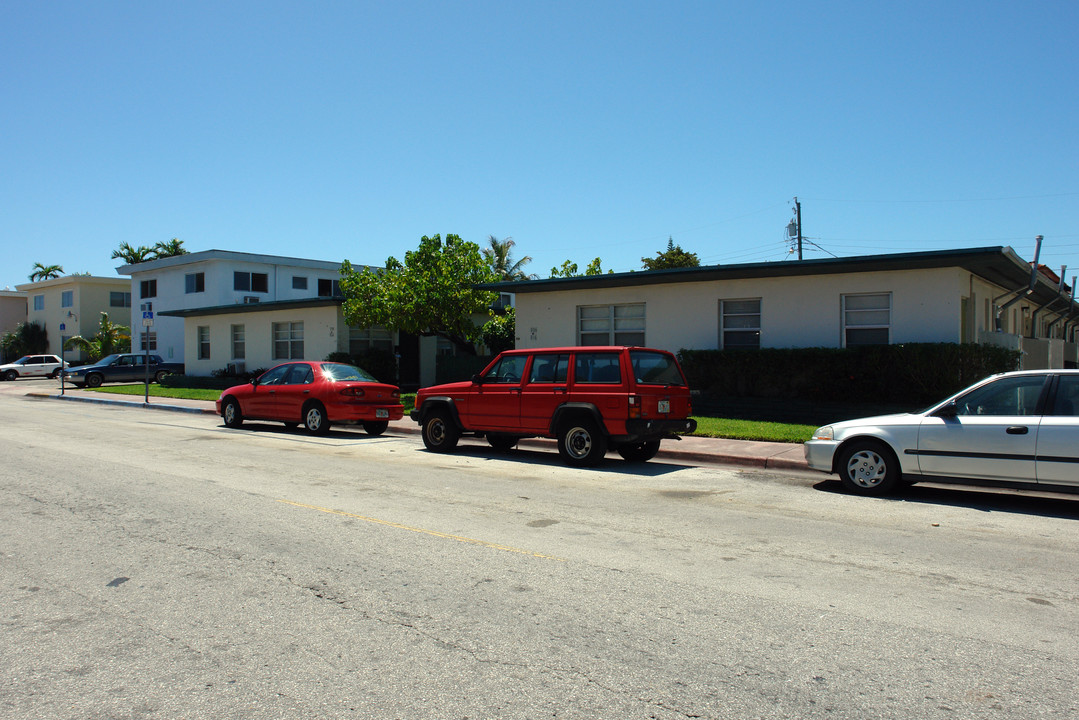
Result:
248,299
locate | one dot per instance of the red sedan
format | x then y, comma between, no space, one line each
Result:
317,394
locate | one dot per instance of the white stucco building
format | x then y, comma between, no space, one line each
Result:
71,305
975,295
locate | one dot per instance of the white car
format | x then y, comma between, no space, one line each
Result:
1016,429
32,366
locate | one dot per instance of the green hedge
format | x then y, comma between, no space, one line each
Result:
910,374
455,368
380,363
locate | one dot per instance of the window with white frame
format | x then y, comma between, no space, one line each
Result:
611,324
148,340
239,346
867,319
203,333
740,324
148,288
67,298
119,299
361,340
39,302
288,341
299,282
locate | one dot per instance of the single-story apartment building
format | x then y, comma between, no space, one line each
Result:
985,295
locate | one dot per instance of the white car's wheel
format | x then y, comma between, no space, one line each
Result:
868,468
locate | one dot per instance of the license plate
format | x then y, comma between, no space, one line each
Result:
664,407
382,413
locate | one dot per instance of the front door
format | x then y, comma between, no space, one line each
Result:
262,402
496,402
992,436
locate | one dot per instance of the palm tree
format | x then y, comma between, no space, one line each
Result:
498,256
133,255
109,338
172,248
45,272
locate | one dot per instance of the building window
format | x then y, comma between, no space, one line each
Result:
67,298
867,319
148,341
288,341
195,283
610,324
238,346
740,324
119,299
362,340
250,282
299,282
148,288
329,288
204,342
39,302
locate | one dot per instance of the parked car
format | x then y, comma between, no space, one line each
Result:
121,367
589,398
317,394
32,366
1017,429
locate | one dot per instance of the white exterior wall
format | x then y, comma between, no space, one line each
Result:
322,335
90,298
218,282
795,311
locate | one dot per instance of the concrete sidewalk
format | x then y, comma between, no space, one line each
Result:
769,455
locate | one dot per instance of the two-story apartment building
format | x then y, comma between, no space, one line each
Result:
987,295
71,305
218,308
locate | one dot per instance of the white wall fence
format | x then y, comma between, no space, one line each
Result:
1038,353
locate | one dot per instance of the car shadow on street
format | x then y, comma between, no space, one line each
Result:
1021,502
611,465
268,427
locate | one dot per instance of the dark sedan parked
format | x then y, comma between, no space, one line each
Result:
121,367
316,394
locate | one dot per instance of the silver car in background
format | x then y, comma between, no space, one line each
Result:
1016,429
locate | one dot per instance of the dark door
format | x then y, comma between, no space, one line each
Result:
408,359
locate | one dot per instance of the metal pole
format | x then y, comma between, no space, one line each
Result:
798,210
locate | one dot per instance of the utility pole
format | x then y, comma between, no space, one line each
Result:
795,227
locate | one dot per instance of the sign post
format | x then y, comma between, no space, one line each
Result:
147,323
63,326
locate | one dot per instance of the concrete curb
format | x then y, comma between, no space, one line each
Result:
122,403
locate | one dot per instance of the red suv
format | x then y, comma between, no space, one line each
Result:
589,398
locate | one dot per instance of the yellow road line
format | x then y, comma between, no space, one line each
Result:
434,533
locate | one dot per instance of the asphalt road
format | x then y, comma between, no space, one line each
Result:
159,565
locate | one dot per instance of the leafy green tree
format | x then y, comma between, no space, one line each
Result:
45,272
498,255
500,332
28,338
673,257
110,338
172,248
133,255
569,269
431,293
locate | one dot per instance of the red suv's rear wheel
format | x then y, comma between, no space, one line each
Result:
581,442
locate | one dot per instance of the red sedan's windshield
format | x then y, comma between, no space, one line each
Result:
344,373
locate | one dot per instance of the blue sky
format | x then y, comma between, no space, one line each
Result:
336,130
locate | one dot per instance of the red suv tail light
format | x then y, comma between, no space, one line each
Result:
634,406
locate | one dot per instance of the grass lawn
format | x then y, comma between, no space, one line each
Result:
706,426
158,391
